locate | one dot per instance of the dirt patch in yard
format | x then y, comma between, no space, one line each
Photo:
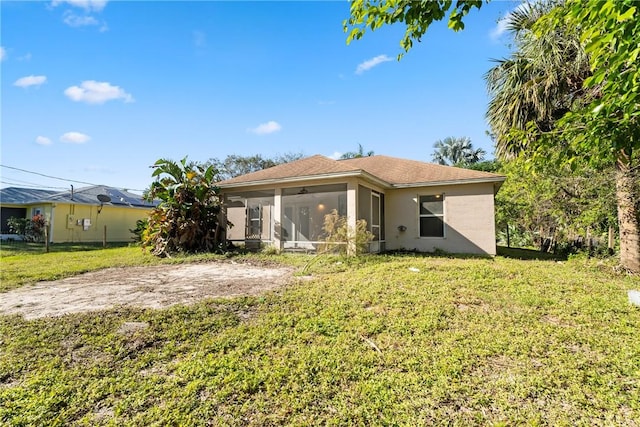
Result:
148,287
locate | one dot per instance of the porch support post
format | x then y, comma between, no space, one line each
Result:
352,213
277,219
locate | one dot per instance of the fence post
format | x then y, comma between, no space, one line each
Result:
46,237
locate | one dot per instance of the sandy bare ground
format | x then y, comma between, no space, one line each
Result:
149,287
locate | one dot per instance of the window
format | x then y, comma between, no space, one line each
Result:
432,216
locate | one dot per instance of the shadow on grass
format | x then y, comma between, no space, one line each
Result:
528,254
8,248
435,254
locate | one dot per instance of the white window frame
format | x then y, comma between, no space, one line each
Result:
442,216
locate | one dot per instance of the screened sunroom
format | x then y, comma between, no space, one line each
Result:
292,218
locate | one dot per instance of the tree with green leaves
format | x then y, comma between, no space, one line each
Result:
607,129
454,151
416,16
357,154
235,165
188,217
603,130
555,204
541,81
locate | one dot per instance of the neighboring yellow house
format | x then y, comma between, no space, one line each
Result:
77,215
407,204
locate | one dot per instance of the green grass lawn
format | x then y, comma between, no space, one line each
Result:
379,340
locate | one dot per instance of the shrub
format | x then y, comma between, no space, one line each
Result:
31,230
339,236
141,228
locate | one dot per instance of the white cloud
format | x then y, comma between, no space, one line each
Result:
73,20
75,138
266,128
88,5
93,92
3,53
501,26
499,29
30,81
43,140
370,63
199,39
26,57
336,155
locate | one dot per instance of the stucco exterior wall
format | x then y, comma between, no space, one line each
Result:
119,220
468,215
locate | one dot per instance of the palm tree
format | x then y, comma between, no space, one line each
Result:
456,152
539,83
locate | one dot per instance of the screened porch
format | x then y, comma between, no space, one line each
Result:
292,218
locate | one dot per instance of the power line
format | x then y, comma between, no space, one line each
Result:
47,176
55,177
21,183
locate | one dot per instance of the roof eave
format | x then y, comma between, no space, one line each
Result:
497,179
365,175
298,179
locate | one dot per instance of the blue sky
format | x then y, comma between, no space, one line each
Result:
97,91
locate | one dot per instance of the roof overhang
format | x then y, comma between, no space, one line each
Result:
302,179
497,181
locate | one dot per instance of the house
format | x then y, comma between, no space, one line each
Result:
79,215
407,204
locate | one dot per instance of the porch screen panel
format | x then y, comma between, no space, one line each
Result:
382,235
304,209
375,216
364,204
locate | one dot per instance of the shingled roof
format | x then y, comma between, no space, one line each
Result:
391,171
84,195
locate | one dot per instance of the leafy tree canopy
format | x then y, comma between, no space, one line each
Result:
415,15
356,154
235,165
187,218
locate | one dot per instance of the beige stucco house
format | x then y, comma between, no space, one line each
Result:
407,204
76,215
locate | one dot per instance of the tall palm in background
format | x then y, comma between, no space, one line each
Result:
548,76
454,151
539,83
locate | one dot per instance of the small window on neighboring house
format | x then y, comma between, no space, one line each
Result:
432,216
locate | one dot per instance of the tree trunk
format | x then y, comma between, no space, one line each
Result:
626,198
